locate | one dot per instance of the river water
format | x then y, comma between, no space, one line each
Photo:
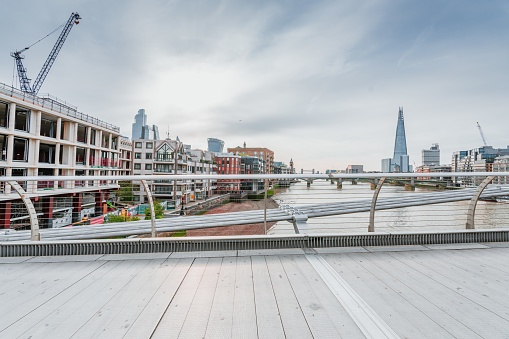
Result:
438,217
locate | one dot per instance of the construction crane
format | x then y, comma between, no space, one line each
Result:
24,81
482,134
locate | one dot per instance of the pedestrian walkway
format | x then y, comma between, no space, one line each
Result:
432,291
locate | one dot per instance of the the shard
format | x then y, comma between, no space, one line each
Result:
400,160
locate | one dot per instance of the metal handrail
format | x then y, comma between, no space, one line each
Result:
259,176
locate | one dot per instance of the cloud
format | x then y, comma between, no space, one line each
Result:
317,81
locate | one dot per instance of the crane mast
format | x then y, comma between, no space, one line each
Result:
482,134
24,81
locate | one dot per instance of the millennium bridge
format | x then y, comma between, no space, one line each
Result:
104,281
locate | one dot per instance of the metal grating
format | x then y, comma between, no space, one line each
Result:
124,246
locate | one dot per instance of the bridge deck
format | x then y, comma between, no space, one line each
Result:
437,291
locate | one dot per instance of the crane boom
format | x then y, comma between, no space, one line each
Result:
482,134
24,81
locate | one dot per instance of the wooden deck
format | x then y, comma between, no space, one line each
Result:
436,291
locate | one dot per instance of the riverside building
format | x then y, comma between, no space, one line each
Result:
266,155
171,157
41,136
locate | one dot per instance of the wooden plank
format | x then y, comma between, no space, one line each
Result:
12,260
145,324
403,317
171,322
67,318
489,296
42,285
32,314
472,316
221,314
98,323
267,314
340,318
244,313
195,325
294,322
316,317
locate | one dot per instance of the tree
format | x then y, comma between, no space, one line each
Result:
159,210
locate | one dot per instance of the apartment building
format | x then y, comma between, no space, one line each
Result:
228,163
171,157
475,160
261,152
40,136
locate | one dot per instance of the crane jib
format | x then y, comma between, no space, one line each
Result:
24,81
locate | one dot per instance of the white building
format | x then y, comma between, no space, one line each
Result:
43,137
170,157
431,156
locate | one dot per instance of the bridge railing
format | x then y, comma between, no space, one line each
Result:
85,207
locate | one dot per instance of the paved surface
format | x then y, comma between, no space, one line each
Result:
441,291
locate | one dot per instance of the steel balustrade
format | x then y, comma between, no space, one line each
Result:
297,216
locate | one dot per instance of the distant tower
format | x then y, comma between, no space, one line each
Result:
215,145
400,159
140,120
291,165
140,128
244,144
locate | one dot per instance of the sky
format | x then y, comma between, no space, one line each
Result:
317,81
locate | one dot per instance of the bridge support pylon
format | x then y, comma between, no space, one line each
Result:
354,181
340,183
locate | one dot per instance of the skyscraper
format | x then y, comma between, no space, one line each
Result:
400,161
215,145
140,128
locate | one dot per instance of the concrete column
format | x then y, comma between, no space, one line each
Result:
12,116
110,141
340,183
57,153
33,152
75,132
99,139
8,173
10,149
35,129
59,128
89,132
55,173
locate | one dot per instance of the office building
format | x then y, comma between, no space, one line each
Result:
431,156
355,169
215,145
141,130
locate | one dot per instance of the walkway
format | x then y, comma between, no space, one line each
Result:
435,291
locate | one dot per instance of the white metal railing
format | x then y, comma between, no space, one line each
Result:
298,216
54,104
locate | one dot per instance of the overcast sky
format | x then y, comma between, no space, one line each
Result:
319,81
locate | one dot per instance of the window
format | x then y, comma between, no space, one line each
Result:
148,167
47,153
48,128
80,156
164,168
82,134
20,149
164,153
148,156
137,145
137,155
105,143
4,114
22,119
114,142
3,147
93,134
149,145
137,166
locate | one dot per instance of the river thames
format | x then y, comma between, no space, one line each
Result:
438,217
